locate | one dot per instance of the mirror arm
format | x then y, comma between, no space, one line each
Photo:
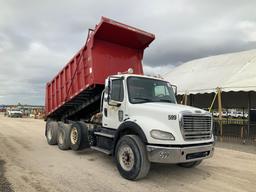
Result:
108,90
115,105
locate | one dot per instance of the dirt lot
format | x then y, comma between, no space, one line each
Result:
28,163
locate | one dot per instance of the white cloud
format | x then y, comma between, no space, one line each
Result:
157,70
248,28
37,38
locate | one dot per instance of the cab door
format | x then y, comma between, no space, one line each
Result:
114,105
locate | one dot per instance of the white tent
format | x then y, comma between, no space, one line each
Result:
230,72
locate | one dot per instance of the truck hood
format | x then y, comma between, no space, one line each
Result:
165,117
174,108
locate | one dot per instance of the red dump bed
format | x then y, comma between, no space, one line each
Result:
111,47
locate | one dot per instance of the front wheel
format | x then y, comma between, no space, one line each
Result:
190,164
131,157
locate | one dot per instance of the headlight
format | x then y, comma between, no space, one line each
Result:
162,135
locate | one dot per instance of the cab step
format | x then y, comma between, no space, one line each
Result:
104,134
101,150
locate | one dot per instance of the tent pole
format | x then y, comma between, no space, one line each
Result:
220,110
210,108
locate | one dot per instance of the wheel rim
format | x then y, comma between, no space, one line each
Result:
61,138
74,136
126,157
49,133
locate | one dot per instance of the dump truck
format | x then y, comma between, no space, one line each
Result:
102,100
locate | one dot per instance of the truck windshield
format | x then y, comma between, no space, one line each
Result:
142,90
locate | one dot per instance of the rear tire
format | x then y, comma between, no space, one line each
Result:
79,136
51,131
63,136
190,164
131,158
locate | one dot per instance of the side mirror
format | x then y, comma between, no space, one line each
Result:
107,96
174,87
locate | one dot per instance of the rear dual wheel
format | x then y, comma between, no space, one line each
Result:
51,131
63,136
67,136
79,136
58,133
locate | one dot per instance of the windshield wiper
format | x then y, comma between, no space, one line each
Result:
165,100
143,99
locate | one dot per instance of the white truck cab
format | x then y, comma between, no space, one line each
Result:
171,133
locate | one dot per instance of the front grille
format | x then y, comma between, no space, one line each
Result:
196,127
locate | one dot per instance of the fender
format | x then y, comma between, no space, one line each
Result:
129,127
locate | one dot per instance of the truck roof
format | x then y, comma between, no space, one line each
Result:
126,75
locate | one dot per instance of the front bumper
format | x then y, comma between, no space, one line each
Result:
181,154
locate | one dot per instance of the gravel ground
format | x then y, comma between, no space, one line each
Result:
248,148
4,184
28,164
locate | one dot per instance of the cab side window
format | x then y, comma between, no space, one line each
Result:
117,90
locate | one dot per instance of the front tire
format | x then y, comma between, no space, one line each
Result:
190,164
131,158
